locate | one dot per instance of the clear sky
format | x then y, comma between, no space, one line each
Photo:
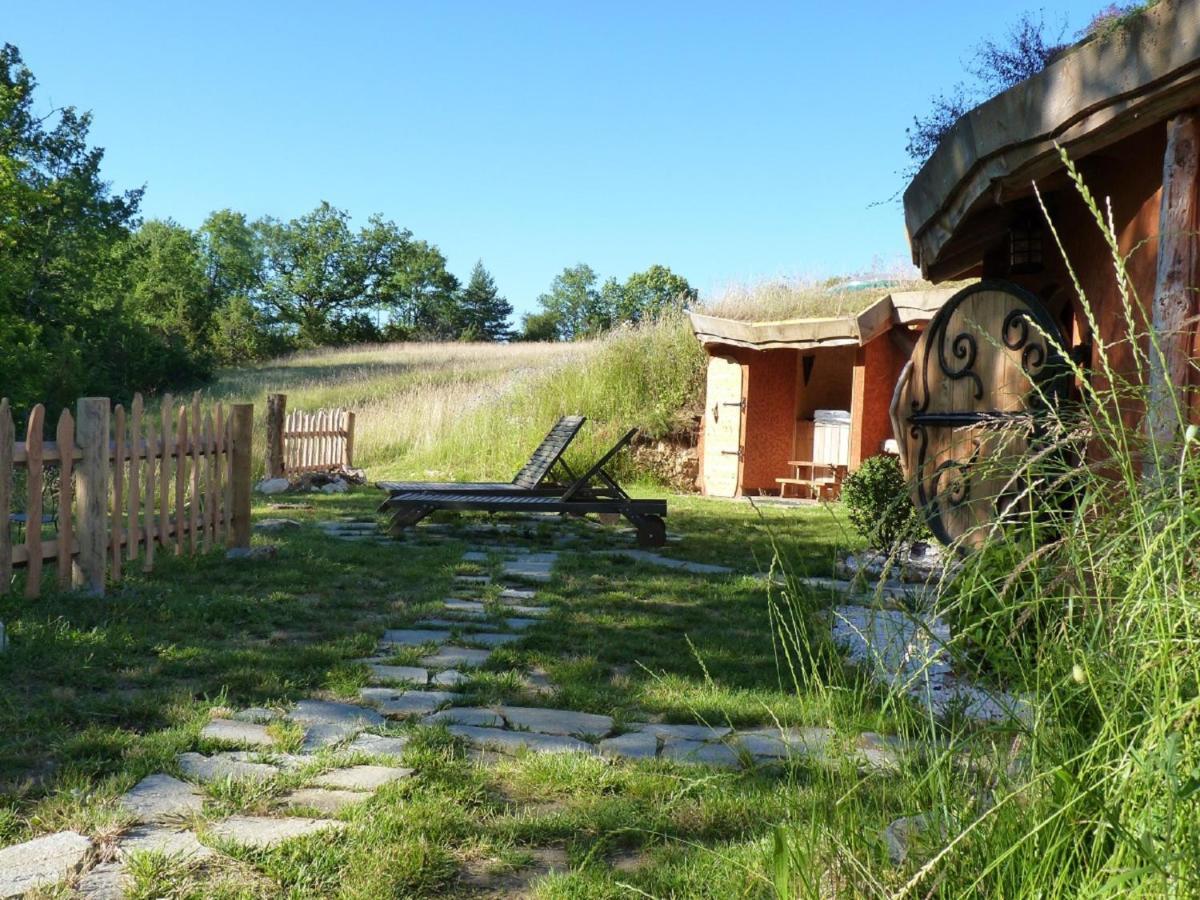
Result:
729,141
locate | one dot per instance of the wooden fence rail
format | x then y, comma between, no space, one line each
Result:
300,441
121,488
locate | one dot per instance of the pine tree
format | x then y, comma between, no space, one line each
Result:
483,312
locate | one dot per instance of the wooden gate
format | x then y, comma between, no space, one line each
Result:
725,401
972,402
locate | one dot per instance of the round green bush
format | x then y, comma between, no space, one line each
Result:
878,505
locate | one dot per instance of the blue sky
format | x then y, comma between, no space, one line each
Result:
729,141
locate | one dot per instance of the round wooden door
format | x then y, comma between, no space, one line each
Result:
971,404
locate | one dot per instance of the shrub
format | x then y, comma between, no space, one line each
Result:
877,503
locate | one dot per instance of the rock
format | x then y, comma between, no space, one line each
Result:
511,741
326,802
271,486
776,743
41,862
450,678
221,766
253,554
157,798
716,755
228,731
378,745
314,712
411,637
519,595
256,714
178,844
108,881
456,657
634,745
556,721
684,732
490,639
398,674
473,579
274,526
260,832
320,735
361,778
467,715
414,703
471,608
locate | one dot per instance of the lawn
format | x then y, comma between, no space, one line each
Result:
104,692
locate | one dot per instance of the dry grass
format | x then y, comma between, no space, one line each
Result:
407,397
804,298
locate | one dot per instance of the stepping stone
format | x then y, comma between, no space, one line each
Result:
256,714
160,797
467,715
398,674
222,766
684,732
415,703
774,743
454,657
511,741
472,579
537,611
450,678
466,607
378,745
286,761
107,881
681,565
327,734
556,721
326,802
246,734
517,624
314,712
634,745
410,637
537,575
440,623
41,862
261,832
716,755
178,844
361,778
377,695
475,556
491,639
518,594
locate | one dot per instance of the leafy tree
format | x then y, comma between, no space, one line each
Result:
168,290
579,308
232,252
417,286
540,326
483,313
648,294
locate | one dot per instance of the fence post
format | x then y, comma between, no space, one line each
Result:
349,440
276,413
241,439
91,429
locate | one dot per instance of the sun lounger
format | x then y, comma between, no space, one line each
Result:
531,477
595,491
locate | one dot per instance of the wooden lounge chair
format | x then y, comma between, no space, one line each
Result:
595,491
531,477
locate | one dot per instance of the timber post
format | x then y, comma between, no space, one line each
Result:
1174,290
241,440
92,428
349,446
276,416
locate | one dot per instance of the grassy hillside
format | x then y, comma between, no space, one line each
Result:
800,298
470,411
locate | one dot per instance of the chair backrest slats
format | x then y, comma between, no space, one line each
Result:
551,449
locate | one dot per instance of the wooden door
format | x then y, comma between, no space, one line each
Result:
723,427
972,403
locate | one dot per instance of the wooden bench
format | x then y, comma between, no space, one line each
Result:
818,485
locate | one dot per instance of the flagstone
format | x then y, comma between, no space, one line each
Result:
41,862
411,637
491,639
256,714
634,745
320,735
515,740
537,611
717,755
221,766
684,732
179,844
519,624
398,674
453,657
261,832
378,745
361,778
781,743
325,801
472,608
517,594
556,721
107,881
415,703
450,678
159,797
312,712
228,731
467,715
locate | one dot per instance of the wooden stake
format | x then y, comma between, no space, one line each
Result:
241,442
93,431
276,417
65,438
33,501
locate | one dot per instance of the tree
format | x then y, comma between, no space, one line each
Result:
232,253
578,307
648,294
168,291
417,287
483,313
540,326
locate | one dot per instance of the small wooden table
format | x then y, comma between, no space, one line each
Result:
816,484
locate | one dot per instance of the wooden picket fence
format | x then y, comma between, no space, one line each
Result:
125,490
299,441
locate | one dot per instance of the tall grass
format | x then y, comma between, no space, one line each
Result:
806,298
1089,603
468,411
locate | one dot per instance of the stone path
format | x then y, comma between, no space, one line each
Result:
346,753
